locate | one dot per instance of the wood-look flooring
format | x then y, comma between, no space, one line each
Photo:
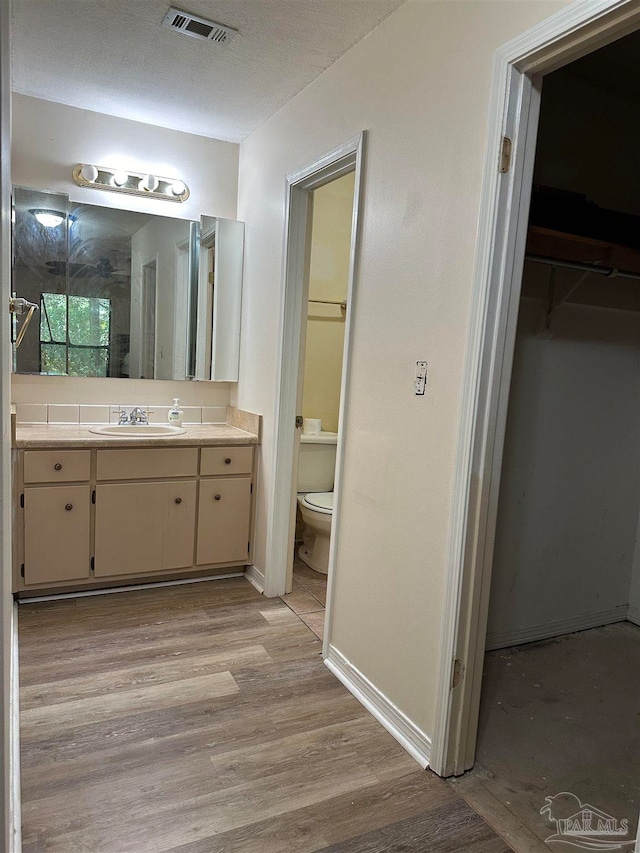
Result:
201,719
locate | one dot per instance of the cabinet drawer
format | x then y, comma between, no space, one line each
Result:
226,460
147,464
56,466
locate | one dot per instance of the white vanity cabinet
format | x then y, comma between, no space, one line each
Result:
102,516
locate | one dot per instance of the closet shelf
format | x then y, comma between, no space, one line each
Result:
575,285
562,246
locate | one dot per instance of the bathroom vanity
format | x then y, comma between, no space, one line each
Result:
94,511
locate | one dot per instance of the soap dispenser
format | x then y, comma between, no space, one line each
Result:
175,413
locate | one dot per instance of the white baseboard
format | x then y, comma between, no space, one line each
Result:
633,615
255,576
556,629
413,739
114,590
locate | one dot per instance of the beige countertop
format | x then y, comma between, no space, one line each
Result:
73,435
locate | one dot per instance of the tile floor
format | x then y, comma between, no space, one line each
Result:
308,597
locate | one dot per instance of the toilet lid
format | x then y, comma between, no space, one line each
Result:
320,501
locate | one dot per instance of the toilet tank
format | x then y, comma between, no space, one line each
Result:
317,462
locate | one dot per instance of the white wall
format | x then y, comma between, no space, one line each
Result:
49,139
570,486
159,241
328,281
419,84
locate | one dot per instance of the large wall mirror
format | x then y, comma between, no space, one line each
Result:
125,294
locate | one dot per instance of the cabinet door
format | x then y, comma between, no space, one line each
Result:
143,528
224,512
128,528
56,534
179,524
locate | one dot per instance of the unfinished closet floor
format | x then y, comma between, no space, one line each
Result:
201,719
558,716
308,596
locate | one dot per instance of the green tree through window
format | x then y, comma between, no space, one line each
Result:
75,333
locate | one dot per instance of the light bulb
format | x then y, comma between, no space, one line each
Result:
178,187
89,172
48,218
149,183
120,178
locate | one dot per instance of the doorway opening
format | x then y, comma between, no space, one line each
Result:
148,299
320,377
565,556
341,162
557,686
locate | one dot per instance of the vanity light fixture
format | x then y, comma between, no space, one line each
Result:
134,183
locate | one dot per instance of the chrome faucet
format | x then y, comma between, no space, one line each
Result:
138,416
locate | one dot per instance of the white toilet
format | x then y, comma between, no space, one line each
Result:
316,470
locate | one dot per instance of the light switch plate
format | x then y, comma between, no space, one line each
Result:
420,382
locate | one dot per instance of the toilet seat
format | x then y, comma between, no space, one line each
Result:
319,502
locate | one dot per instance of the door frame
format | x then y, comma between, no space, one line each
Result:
10,821
346,158
579,29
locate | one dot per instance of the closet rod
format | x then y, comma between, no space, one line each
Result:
342,304
610,272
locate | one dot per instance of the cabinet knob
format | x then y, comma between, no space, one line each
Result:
227,461
68,507
178,500
217,497
58,466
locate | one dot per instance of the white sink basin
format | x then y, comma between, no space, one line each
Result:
138,430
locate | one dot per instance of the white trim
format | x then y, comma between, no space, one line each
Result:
345,388
84,593
279,543
255,576
14,706
556,629
633,614
413,739
575,31
9,782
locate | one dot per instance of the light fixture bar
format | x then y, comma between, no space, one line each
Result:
140,184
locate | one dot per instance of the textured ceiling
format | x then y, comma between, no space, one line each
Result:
115,57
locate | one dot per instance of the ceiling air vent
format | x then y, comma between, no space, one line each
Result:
199,28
